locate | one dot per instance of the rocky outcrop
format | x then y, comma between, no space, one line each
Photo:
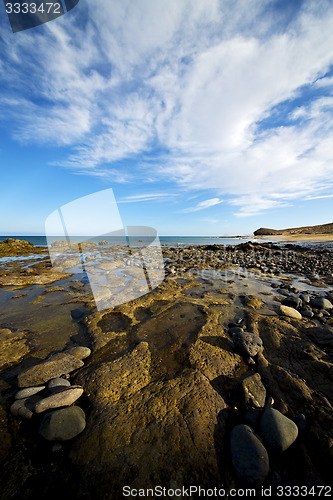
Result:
321,229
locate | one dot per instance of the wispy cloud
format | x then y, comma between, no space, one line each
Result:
188,83
146,197
204,204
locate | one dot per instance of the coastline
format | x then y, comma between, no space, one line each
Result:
165,362
298,237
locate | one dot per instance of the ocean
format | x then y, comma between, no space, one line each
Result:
174,241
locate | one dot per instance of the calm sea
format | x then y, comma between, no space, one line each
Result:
164,240
171,241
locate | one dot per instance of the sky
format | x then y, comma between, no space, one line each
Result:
205,117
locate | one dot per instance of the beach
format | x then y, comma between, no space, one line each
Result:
232,336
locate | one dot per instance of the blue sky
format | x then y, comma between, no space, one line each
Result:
209,117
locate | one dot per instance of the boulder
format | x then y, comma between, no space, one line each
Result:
248,455
277,430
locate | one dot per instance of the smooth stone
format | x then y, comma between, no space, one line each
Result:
247,343
23,407
53,367
57,384
79,352
321,303
292,301
63,425
277,429
306,313
290,312
66,397
29,391
249,456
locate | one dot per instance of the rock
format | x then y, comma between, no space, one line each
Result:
248,344
55,366
277,429
13,347
25,407
321,303
306,313
63,425
290,312
305,297
300,421
249,456
282,291
166,425
64,397
235,329
79,352
29,391
251,392
57,384
77,314
292,301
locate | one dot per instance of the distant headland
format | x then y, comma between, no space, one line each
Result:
323,229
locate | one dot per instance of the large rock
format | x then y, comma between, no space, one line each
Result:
63,425
277,429
121,377
247,344
249,456
321,303
13,347
64,397
153,432
55,366
290,312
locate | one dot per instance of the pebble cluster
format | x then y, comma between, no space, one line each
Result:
45,390
265,429
267,258
310,305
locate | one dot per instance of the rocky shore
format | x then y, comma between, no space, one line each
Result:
220,377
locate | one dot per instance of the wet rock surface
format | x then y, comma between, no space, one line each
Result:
165,385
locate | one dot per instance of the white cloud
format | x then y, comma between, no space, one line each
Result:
204,204
190,78
146,197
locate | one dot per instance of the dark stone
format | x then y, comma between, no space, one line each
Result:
248,344
321,303
249,456
64,424
277,429
292,301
